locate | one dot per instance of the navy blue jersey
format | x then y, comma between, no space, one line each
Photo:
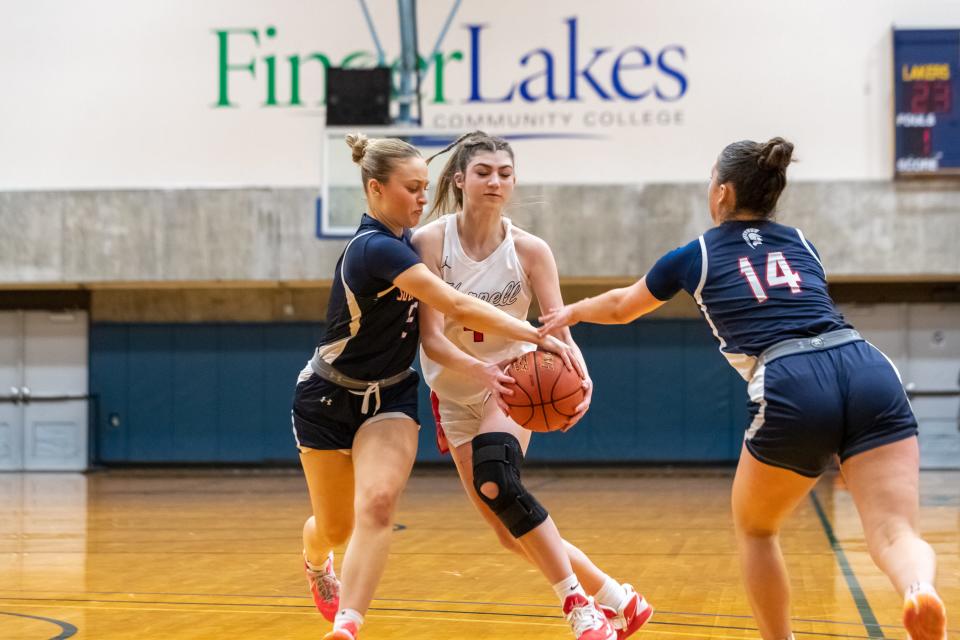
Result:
372,330
757,283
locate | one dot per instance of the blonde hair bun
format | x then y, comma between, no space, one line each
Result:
378,157
358,145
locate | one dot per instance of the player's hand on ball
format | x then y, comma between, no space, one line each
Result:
547,395
581,409
557,319
494,377
562,349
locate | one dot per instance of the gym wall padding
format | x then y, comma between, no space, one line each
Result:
221,393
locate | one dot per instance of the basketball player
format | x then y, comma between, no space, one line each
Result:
817,388
355,406
479,252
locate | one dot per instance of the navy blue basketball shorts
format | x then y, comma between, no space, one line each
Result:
327,416
807,407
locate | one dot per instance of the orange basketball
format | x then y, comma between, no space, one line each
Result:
545,394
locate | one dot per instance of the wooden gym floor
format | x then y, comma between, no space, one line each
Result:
216,554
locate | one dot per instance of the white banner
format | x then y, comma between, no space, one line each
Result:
225,93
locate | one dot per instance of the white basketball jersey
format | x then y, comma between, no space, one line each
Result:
498,279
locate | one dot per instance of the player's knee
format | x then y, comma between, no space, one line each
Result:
883,535
376,506
496,461
753,529
748,521
496,479
489,490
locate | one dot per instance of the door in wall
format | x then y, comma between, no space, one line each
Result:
43,391
923,341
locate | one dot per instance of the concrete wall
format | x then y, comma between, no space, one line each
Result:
863,230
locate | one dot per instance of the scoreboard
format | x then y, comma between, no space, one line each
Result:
926,66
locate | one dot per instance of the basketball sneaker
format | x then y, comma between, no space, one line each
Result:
324,587
586,619
346,631
632,614
924,615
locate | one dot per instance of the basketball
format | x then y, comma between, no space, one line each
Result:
546,393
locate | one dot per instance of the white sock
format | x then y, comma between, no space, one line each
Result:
920,587
347,615
568,586
314,567
611,594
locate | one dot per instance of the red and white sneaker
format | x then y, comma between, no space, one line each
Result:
586,619
346,631
632,615
324,587
924,614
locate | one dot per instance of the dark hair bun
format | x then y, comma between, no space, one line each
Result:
775,154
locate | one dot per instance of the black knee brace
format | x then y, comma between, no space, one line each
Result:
497,458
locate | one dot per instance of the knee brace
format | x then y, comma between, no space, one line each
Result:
497,458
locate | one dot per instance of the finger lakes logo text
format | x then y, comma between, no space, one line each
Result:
622,84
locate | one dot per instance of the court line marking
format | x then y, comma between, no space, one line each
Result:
67,630
122,552
310,613
395,617
377,614
870,623
661,612
309,607
543,624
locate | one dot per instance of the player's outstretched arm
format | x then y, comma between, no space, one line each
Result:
428,241
541,268
436,345
441,350
423,282
429,289
617,306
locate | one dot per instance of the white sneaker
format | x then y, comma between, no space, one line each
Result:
633,613
586,620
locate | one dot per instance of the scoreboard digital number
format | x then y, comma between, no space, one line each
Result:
926,65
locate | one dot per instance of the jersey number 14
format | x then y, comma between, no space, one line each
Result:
779,274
